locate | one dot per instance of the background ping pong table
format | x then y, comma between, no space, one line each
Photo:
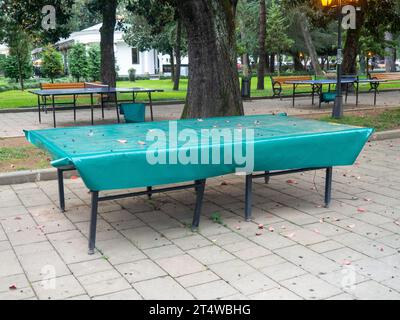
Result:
317,87
281,145
90,90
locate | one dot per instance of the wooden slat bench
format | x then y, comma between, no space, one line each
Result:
279,83
385,76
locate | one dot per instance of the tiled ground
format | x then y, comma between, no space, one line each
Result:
13,124
146,250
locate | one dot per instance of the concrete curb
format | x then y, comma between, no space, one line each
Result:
21,177
386,135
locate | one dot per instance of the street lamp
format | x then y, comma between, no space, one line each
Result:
338,107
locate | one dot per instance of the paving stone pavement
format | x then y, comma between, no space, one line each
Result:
146,251
13,124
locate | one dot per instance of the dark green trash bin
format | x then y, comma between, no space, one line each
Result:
133,112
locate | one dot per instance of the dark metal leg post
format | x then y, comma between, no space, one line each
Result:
117,108
200,186
54,111
93,221
248,197
294,94
267,177
39,106
151,107
328,187
74,108
102,105
149,190
60,175
91,107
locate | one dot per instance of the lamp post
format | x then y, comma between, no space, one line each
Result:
338,107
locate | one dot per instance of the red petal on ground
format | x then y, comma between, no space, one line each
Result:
13,287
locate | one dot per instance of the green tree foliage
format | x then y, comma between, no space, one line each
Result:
94,63
78,62
277,39
13,71
20,56
52,63
155,25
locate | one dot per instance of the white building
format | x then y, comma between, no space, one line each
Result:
148,62
4,49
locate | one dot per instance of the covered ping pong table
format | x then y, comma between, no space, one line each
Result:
91,91
115,156
317,87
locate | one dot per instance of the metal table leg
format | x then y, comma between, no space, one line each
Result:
74,108
267,177
93,221
39,106
60,176
328,187
294,95
91,107
200,186
248,197
151,107
54,111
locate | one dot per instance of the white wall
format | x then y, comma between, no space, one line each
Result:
123,55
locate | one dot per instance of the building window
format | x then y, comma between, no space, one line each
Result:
135,56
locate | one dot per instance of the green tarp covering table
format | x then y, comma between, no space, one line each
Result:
115,157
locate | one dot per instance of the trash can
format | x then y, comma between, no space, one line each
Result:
246,85
133,112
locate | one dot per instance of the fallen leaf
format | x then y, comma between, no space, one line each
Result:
17,218
224,183
74,177
13,287
258,234
361,210
290,181
290,235
122,141
367,199
351,226
316,231
238,228
346,262
397,222
271,229
260,226
141,143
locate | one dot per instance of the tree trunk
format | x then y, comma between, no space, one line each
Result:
177,77
390,65
213,76
261,46
172,59
303,22
352,44
108,74
245,65
20,73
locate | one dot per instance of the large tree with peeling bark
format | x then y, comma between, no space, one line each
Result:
213,76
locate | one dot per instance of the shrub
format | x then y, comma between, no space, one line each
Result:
94,63
132,74
52,60
78,62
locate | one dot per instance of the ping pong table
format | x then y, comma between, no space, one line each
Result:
317,87
91,91
114,157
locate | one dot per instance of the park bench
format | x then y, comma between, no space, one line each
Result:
279,83
384,76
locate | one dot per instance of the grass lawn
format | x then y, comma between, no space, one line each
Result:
381,121
19,99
